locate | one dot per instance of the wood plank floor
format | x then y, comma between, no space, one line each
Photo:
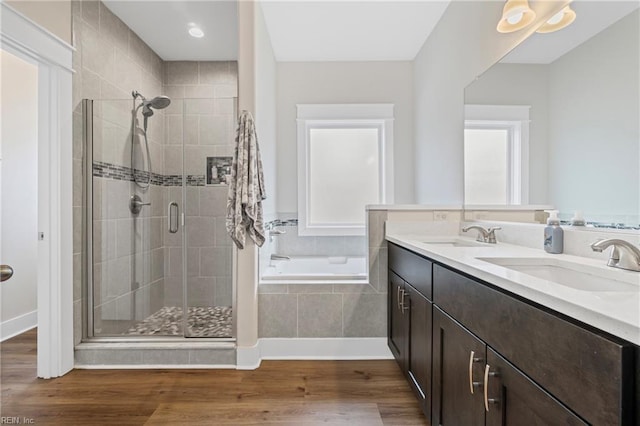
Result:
278,393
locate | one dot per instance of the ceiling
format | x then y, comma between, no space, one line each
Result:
591,18
334,30
300,30
163,25
350,30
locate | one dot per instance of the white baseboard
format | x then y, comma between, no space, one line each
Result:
248,357
357,348
18,325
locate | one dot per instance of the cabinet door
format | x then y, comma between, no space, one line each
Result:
458,362
514,400
397,322
419,352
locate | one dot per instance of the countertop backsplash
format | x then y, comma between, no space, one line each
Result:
577,240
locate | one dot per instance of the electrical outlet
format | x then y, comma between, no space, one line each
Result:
440,216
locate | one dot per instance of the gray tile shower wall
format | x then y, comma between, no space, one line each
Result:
202,117
110,61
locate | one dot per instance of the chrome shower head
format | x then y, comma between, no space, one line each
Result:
159,102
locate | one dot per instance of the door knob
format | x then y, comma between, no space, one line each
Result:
6,272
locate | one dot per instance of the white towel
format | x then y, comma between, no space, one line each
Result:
246,189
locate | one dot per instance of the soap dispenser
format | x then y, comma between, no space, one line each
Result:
553,234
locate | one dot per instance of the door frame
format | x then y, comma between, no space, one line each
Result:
53,56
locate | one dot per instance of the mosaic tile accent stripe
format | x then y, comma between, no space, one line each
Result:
113,171
278,222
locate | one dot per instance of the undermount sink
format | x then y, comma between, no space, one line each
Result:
455,242
574,275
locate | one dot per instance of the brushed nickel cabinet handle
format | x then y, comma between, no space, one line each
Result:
473,359
398,298
488,400
6,272
402,296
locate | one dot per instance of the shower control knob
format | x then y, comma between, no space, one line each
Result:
135,204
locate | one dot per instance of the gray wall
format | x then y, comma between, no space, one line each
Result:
464,44
343,82
594,157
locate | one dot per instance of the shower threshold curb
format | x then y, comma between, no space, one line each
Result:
183,344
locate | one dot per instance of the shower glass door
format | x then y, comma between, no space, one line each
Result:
134,232
159,261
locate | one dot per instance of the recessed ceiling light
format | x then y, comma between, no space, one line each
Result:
195,31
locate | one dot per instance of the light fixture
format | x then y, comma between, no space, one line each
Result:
558,21
195,31
516,15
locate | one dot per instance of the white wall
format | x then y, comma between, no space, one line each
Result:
462,46
265,114
594,145
343,82
19,188
520,84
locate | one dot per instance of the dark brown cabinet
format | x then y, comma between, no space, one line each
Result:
410,320
474,385
458,362
397,323
418,356
478,355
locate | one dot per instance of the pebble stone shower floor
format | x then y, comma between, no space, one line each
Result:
214,321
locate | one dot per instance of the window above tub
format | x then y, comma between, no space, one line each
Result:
345,161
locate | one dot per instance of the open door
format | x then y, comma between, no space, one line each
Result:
18,194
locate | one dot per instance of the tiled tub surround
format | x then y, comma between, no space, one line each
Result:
303,310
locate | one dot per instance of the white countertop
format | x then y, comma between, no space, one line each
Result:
617,313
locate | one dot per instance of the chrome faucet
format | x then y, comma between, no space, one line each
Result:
624,254
484,235
279,257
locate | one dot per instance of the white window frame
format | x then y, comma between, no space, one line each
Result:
514,119
342,116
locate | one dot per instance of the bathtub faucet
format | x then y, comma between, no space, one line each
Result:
279,257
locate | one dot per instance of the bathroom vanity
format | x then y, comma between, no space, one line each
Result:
482,344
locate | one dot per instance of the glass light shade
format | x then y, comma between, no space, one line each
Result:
558,21
510,13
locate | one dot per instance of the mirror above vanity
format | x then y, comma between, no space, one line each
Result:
556,121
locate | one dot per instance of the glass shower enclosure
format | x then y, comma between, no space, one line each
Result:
158,259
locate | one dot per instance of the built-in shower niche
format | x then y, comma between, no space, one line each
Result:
218,170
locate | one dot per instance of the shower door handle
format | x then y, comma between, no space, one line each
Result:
172,216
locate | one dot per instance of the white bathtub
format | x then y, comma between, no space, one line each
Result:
316,269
